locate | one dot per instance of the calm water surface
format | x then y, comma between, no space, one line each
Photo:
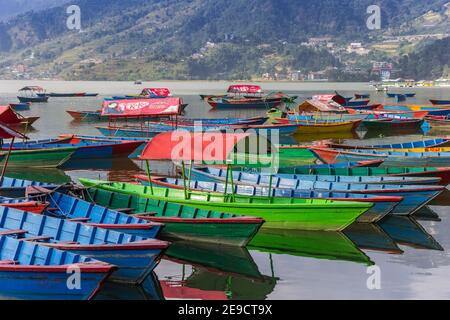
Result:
411,254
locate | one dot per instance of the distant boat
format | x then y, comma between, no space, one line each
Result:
138,82
440,102
69,95
20,106
362,95
32,94
395,95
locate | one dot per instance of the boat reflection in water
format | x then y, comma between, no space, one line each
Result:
201,271
150,289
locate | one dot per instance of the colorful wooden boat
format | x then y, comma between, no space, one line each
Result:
84,150
20,106
32,94
136,257
432,110
63,206
395,95
442,173
391,159
71,95
183,222
414,196
217,174
288,213
152,130
323,117
440,102
31,271
430,143
41,158
437,122
334,246
382,205
356,103
24,205
317,128
15,188
385,124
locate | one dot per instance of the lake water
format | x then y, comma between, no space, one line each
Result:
410,256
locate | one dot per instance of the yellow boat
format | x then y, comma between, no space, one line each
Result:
310,127
429,149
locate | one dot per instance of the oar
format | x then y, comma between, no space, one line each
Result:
183,172
6,160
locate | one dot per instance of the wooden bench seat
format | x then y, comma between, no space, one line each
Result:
13,232
8,262
80,219
124,210
40,238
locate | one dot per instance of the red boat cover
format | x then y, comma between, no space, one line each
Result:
142,107
8,115
156,92
192,146
244,88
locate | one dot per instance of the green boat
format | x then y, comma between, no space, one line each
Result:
310,244
279,213
39,158
48,175
183,222
443,173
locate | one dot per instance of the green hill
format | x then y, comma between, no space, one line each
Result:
197,39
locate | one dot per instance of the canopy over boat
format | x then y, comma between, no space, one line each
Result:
9,116
244,88
33,88
318,106
192,146
156,92
142,107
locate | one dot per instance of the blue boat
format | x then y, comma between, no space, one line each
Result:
215,173
430,143
414,196
371,237
327,117
394,159
21,106
64,206
84,150
135,257
15,188
382,205
31,271
356,103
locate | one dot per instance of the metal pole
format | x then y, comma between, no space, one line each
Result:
183,172
149,176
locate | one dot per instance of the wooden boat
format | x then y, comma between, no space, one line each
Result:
216,174
334,246
32,94
360,164
16,188
20,106
312,128
414,196
287,213
136,257
442,173
356,103
384,124
391,159
438,122
24,204
63,206
440,102
244,103
363,107
362,95
84,150
429,143
151,131
432,110
183,222
70,95
25,266
40,158
323,117
395,95
219,121
382,205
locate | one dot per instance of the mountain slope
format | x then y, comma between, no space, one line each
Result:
187,39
